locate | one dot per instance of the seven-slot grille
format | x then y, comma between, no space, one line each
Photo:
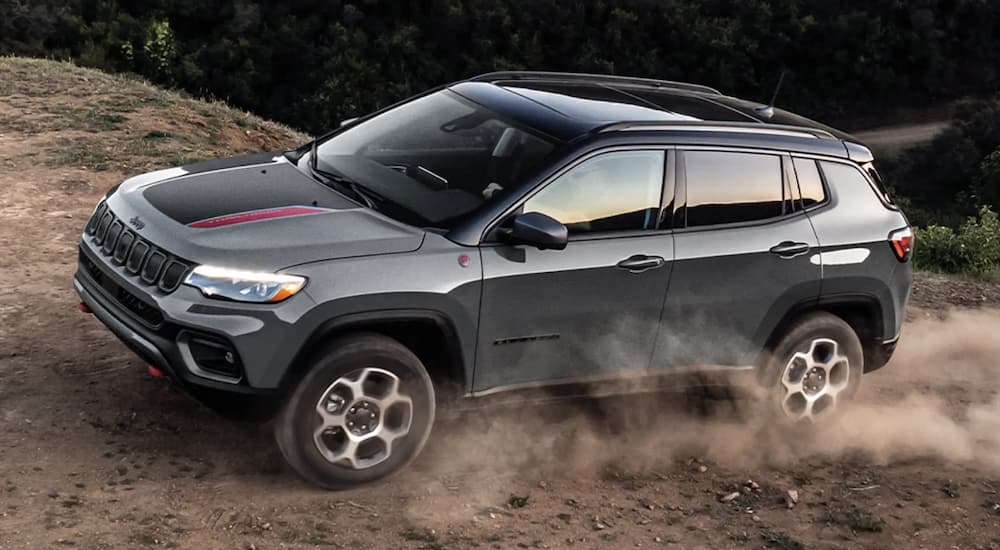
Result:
137,256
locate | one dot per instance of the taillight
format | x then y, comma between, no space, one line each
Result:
902,243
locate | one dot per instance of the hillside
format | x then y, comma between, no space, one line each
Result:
72,118
95,453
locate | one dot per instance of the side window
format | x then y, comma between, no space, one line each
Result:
810,182
617,191
731,187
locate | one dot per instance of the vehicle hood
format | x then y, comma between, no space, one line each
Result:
253,212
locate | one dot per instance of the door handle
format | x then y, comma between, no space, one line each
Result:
789,249
641,262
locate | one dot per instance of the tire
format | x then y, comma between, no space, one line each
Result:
352,380
814,370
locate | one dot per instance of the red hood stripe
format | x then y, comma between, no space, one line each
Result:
257,215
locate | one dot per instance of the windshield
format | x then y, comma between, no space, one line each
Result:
437,158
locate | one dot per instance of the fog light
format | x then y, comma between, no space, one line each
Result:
216,355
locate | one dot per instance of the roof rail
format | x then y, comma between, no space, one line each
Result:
710,126
594,78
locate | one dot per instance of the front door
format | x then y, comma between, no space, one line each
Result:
589,311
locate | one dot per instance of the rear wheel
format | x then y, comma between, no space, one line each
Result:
815,369
363,411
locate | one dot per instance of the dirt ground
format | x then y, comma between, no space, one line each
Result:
95,453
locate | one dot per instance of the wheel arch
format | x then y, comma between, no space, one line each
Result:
429,334
863,312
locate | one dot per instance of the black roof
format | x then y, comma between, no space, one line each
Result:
569,105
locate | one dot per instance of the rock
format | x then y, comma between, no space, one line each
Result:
517,501
702,468
752,485
543,485
755,518
791,498
729,497
657,539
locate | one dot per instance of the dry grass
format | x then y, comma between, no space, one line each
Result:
89,119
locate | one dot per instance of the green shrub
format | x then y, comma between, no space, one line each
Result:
974,249
987,184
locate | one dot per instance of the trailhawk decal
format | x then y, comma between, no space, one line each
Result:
258,215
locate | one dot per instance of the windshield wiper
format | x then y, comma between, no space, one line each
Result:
343,183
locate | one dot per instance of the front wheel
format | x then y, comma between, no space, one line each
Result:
363,411
815,369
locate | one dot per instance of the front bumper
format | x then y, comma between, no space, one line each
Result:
163,352
161,327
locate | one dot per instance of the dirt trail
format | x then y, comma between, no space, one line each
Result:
893,139
94,453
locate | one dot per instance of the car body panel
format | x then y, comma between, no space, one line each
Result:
856,220
569,314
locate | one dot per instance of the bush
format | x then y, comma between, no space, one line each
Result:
950,177
987,186
974,249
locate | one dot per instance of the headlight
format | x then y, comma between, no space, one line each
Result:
244,286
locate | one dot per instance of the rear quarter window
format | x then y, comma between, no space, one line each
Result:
810,182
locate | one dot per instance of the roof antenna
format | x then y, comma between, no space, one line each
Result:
767,111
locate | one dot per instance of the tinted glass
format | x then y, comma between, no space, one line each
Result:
727,187
877,179
690,106
597,104
613,192
435,159
810,182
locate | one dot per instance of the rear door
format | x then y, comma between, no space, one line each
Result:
592,310
741,257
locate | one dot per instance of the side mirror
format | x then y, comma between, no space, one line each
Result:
346,121
537,229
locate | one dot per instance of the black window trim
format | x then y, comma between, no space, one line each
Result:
790,185
822,178
682,183
669,153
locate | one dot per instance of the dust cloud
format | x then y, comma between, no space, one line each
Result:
936,400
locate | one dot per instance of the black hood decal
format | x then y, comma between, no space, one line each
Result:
231,186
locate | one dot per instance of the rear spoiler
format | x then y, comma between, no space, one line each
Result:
858,152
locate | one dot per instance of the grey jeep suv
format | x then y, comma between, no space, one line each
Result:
516,230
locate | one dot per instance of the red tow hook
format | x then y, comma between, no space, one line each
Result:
153,371
84,308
